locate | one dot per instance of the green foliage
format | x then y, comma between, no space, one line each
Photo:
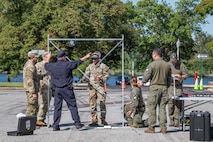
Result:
26,25
205,7
159,25
200,65
209,46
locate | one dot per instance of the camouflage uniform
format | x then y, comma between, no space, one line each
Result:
43,94
96,89
31,83
138,107
159,74
174,106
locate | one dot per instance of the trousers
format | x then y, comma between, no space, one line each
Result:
32,105
68,95
158,96
96,98
174,106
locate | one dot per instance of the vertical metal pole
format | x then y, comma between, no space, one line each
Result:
183,118
174,91
133,64
178,45
48,44
122,79
201,68
48,91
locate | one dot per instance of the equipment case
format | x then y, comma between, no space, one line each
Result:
26,126
200,126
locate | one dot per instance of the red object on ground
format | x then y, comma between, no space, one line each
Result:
195,76
186,95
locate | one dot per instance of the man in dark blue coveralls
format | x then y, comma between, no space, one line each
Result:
62,78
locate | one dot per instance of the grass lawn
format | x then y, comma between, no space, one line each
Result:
11,84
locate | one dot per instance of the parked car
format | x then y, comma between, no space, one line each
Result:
139,78
76,79
119,80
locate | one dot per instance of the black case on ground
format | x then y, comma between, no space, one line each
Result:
26,126
200,126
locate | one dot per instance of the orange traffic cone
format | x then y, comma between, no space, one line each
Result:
124,84
105,86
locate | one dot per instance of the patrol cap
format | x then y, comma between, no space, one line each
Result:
32,54
44,54
61,53
173,57
96,54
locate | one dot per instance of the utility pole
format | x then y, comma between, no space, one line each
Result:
133,56
178,45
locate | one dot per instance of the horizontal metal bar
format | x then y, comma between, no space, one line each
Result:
195,98
84,39
99,111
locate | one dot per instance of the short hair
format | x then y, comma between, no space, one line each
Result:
158,51
134,81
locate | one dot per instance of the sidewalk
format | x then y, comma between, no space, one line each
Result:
14,101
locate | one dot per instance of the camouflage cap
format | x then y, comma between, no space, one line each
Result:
96,54
44,54
173,57
32,54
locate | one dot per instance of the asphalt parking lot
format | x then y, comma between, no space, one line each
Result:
14,102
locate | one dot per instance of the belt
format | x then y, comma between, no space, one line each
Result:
176,84
159,85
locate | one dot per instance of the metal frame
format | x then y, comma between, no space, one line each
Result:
183,106
121,41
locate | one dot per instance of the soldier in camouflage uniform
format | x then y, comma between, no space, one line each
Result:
159,74
179,72
134,110
31,83
43,91
98,73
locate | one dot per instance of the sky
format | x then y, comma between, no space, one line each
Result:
205,27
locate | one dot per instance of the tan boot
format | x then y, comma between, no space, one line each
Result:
41,123
163,131
149,131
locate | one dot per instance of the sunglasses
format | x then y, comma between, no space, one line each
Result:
94,58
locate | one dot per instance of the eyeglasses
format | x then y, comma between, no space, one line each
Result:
94,58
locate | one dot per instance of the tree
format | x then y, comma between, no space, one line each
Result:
10,35
201,39
25,25
161,26
205,7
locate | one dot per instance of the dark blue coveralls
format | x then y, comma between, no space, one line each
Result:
62,78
